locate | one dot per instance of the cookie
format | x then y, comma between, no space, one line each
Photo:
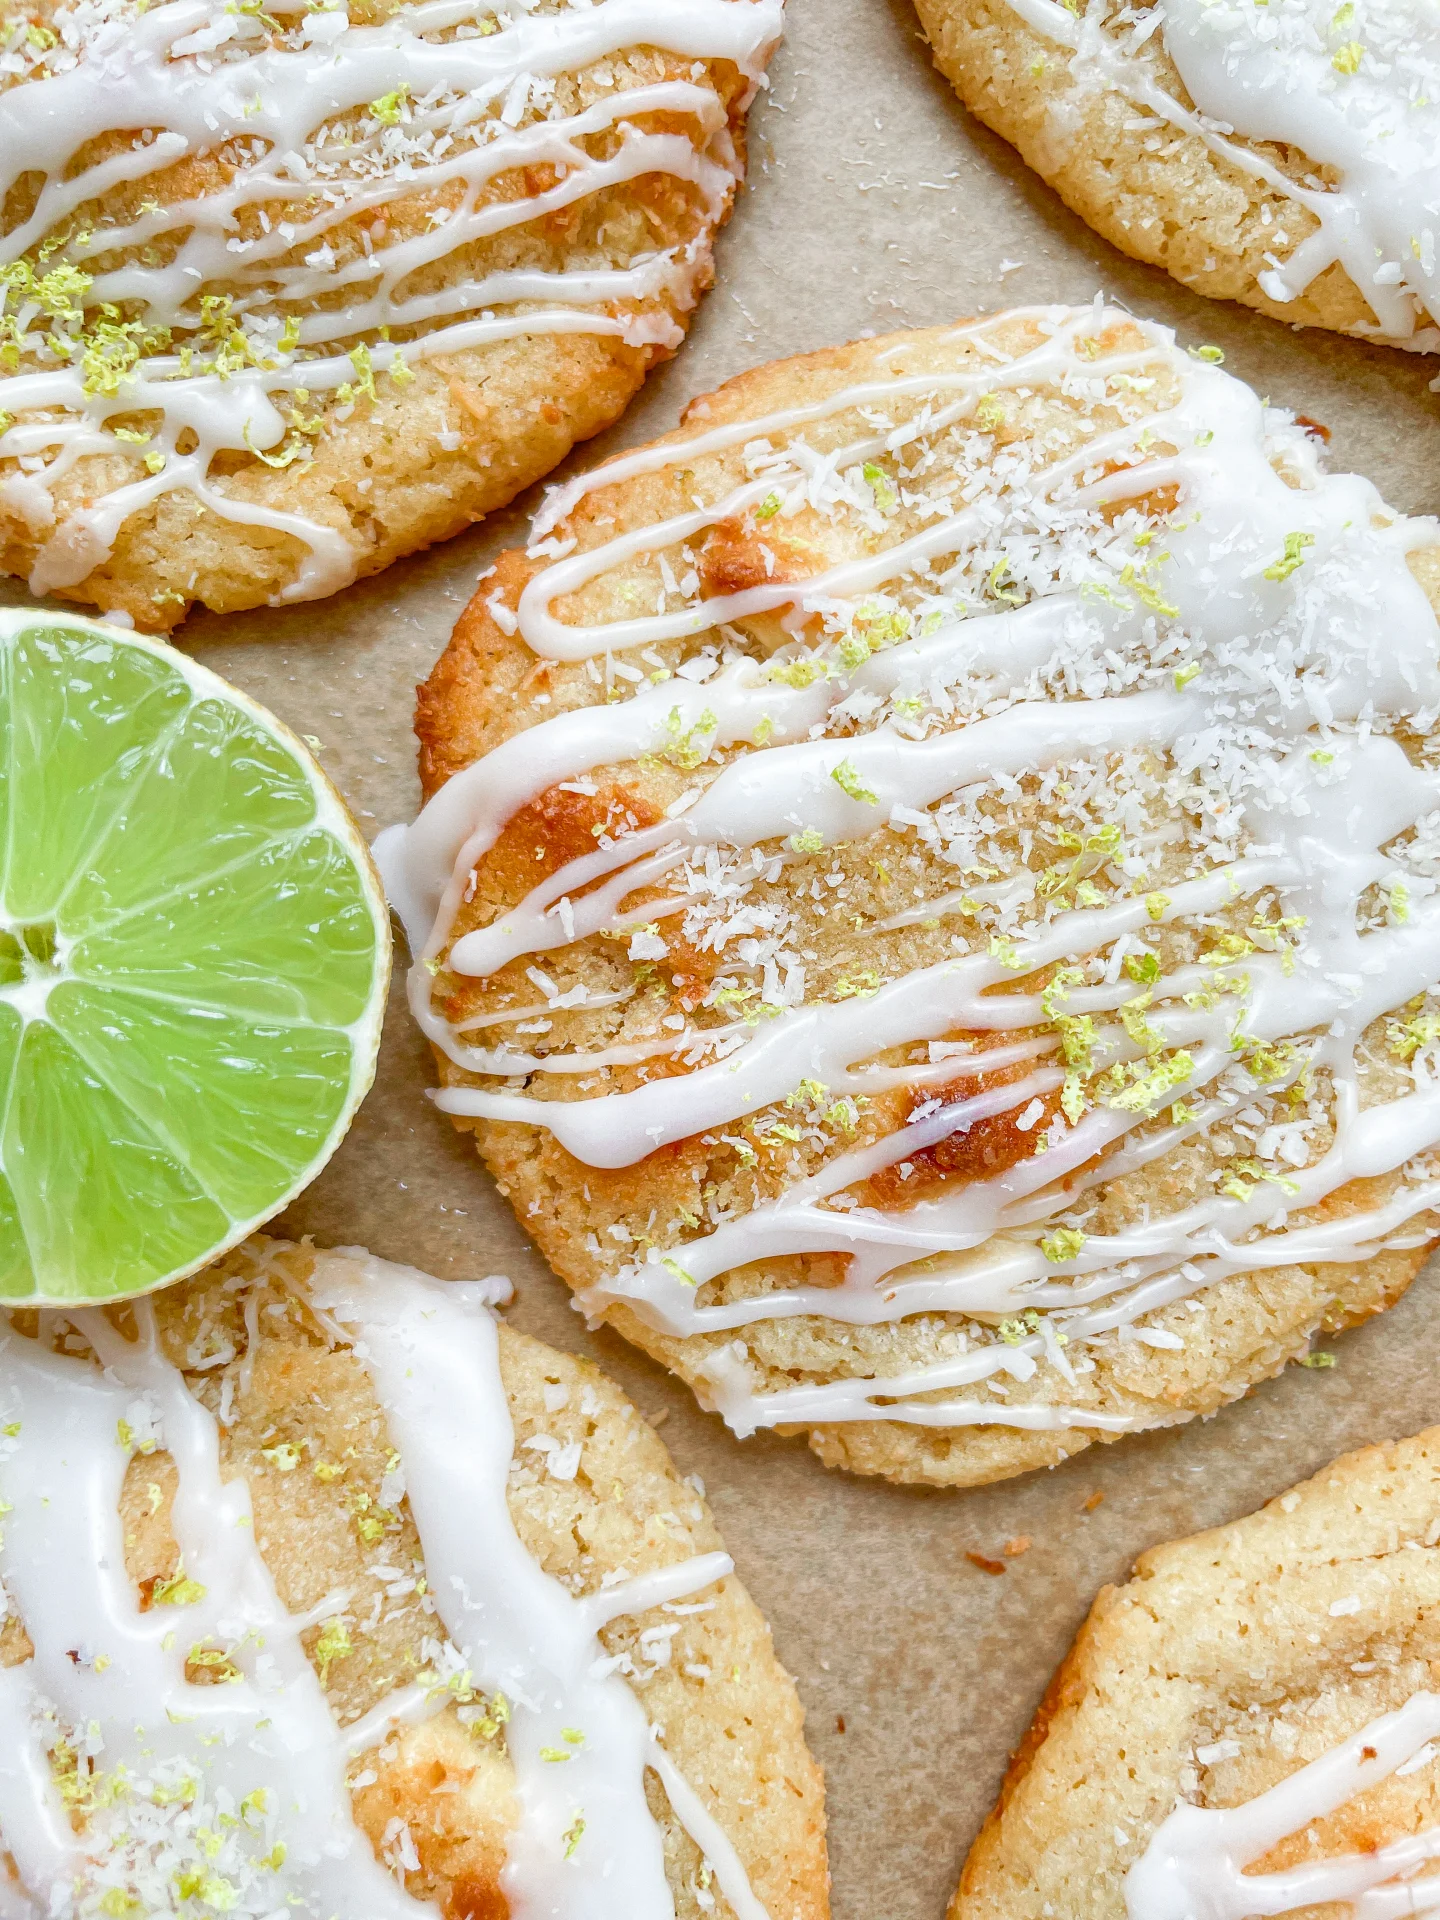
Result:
1281,156
926,898
288,294
1248,1726
331,1594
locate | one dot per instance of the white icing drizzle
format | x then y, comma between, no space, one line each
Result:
1355,89
1288,637
248,1779
63,1566
456,94
711,1838
1194,1866
516,1627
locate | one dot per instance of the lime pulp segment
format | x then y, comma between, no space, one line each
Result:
193,959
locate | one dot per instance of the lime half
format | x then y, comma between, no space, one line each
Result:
194,950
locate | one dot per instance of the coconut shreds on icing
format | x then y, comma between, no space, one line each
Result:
1158,696
184,1759
1351,91
1196,1859
113,336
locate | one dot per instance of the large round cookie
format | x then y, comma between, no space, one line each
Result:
926,898
304,1594
1282,154
1299,1646
288,293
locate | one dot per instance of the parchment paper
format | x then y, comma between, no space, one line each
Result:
875,202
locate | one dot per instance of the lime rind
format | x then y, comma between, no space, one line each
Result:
194,952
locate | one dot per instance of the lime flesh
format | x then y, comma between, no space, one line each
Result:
194,951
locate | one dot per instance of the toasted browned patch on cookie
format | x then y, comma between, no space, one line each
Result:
988,1146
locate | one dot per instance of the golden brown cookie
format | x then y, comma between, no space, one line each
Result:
922,891
352,1659
1303,1637
1279,158
287,295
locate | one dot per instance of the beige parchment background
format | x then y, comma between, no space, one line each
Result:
875,202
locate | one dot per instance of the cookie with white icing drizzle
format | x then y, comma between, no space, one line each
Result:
288,292
332,1594
928,893
1250,1725
1283,155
